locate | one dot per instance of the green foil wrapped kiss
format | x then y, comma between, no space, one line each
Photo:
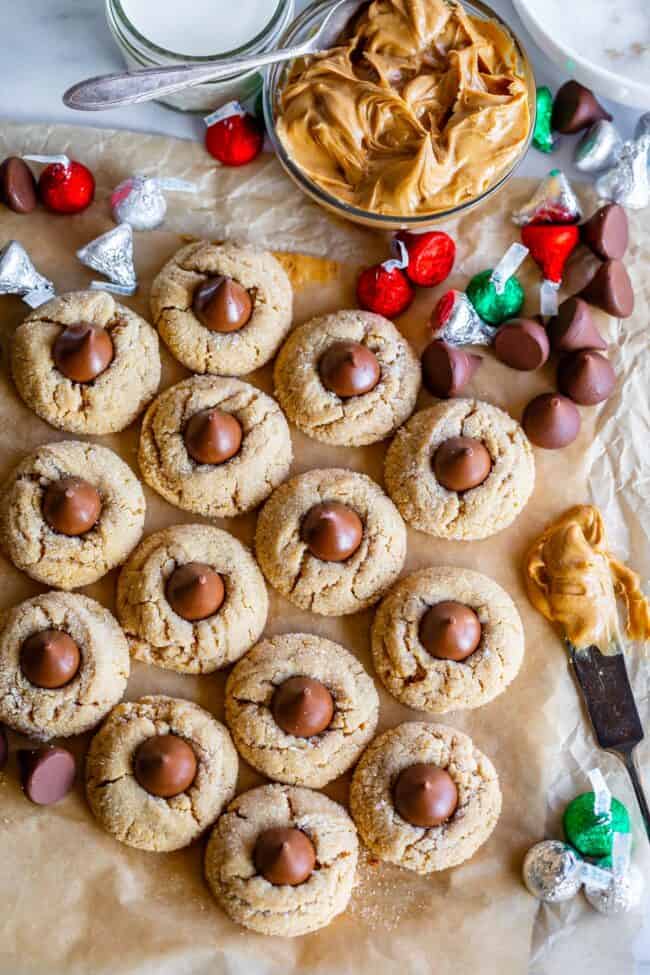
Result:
542,134
495,308
590,833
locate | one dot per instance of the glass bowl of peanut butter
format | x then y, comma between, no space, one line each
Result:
422,110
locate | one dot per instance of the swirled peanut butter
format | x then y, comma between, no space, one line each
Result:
421,107
573,580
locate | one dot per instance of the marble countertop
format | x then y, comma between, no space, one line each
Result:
55,43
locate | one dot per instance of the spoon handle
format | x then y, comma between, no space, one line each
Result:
129,87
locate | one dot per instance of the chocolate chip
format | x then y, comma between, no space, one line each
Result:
284,856
165,765
332,531
446,369
349,369
606,233
222,305
611,289
450,631
82,352
71,506
17,185
575,108
195,591
551,421
47,774
574,328
587,377
302,707
213,436
425,795
522,343
461,463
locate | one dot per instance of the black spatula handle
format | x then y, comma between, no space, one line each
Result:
632,770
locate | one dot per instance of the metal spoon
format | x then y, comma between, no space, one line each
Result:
129,87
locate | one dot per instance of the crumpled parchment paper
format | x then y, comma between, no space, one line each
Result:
74,901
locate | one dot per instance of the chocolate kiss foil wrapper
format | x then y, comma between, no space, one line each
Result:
18,276
140,200
623,893
552,871
456,321
548,298
552,202
627,182
598,148
111,254
508,265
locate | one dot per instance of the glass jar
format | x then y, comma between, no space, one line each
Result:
140,52
300,30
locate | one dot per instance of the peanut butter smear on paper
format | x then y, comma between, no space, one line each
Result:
573,580
422,107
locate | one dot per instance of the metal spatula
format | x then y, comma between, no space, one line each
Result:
612,709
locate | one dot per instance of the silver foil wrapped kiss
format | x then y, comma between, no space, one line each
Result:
140,200
111,254
18,276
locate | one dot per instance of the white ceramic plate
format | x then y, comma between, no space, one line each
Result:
604,44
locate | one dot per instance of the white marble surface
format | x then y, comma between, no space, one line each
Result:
50,44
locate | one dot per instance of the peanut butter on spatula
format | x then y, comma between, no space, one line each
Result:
574,581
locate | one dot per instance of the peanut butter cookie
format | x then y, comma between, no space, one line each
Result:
282,860
447,639
330,541
85,363
158,772
191,599
424,797
222,308
348,378
69,513
64,663
300,709
214,446
461,469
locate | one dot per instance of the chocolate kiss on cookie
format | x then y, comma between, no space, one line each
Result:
446,369
165,765
332,531
586,377
425,795
522,343
551,421
606,233
222,305
71,506
49,659
212,436
302,707
83,351
195,591
284,856
461,463
349,369
46,774
450,631
576,107
574,328
611,290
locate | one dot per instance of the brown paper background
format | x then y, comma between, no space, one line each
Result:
75,901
